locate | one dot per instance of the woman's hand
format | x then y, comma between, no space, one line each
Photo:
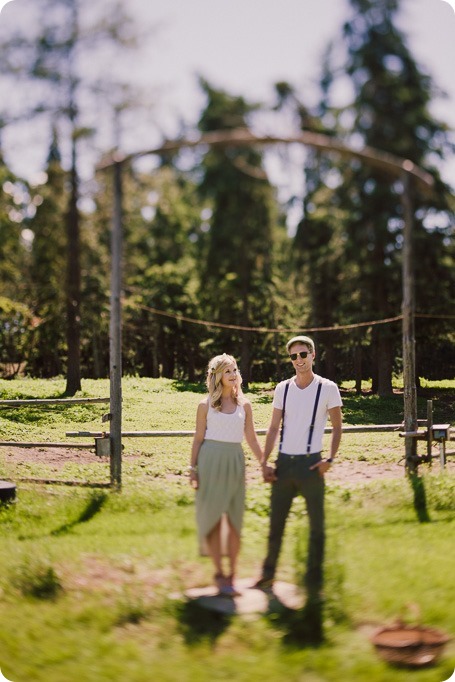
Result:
268,473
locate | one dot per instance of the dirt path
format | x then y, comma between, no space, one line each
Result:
343,472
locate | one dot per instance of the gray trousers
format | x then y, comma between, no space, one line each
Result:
295,478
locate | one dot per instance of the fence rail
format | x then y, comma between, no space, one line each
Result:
37,402
261,432
44,402
69,446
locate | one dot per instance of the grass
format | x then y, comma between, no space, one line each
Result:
90,579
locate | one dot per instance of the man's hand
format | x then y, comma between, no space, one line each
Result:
322,466
268,473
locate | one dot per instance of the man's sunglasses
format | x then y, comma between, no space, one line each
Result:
303,354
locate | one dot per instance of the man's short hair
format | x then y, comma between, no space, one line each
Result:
300,339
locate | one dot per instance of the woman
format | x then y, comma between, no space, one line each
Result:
217,468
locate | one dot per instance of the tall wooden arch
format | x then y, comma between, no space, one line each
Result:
395,167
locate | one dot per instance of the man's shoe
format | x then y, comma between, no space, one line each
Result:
263,584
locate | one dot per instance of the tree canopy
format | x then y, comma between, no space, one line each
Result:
208,263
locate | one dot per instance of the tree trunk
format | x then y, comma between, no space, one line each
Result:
358,368
329,361
245,348
276,347
73,292
166,346
384,366
245,360
96,356
191,367
155,372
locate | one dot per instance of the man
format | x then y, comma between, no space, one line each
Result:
301,406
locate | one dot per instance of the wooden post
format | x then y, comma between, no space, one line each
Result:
429,430
115,333
408,309
442,453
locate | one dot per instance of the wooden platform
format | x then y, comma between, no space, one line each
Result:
251,600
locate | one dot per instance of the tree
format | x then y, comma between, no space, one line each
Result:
16,336
391,113
351,232
162,220
56,58
236,281
317,247
47,269
17,322
167,246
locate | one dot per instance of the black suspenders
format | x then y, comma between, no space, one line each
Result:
313,418
286,389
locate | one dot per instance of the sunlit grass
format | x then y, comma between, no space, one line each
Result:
91,581
118,564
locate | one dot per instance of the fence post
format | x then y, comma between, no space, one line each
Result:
115,333
429,430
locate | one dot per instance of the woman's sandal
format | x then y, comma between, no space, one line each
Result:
220,581
229,590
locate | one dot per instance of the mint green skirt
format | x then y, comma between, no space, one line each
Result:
221,491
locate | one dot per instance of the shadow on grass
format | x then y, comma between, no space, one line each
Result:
30,396
43,413
420,497
264,399
198,624
93,507
200,387
192,386
301,627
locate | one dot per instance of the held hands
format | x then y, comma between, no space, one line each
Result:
268,473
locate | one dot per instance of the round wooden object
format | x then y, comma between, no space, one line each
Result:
7,491
410,645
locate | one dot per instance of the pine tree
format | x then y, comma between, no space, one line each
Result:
236,279
17,321
391,113
53,57
47,269
15,198
317,247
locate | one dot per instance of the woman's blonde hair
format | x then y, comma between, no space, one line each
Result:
215,370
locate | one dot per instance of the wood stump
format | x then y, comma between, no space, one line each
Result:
7,491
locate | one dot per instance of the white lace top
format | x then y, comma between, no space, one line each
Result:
228,428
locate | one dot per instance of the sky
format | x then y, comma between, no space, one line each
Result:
244,46
247,45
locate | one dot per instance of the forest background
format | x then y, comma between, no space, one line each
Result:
207,232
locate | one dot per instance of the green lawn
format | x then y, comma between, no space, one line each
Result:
90,579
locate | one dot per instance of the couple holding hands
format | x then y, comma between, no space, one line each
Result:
301,406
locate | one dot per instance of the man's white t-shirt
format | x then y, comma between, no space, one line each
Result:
299,410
